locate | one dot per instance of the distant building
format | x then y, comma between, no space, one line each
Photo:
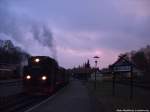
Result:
123,67
82,72
99,75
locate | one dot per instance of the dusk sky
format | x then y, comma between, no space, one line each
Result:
73,31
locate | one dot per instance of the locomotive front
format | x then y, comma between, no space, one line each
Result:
39,75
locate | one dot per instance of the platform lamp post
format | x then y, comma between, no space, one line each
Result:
96,61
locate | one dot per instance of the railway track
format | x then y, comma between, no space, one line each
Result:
20,103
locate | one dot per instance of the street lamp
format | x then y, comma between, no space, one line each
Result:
96,61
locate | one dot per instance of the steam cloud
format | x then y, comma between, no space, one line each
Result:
44,36
16,29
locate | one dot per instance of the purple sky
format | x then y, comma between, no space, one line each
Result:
76,29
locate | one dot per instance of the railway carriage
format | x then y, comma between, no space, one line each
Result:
62,77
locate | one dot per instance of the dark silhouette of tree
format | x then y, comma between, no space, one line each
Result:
11,54
148,60
139,59
88,64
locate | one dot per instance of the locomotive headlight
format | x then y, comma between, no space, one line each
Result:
44,77
28,77
37,60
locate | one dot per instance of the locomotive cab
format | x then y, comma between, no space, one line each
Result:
39,75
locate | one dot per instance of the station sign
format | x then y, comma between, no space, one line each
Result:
122,68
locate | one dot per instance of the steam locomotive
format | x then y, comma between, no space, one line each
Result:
43,75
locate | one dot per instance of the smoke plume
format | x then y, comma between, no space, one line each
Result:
44,36
19,29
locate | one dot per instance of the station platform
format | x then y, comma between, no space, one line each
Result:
73,98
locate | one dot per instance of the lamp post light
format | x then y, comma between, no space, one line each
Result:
96,61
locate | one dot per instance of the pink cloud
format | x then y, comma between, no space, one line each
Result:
73,57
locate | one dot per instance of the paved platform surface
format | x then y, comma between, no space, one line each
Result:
74,98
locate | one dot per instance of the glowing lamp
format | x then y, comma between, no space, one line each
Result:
37,60
28,77
44,77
